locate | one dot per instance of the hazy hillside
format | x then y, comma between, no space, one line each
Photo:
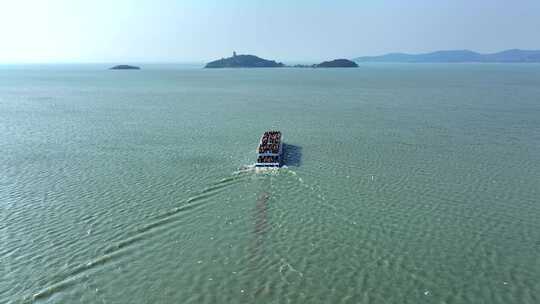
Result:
514,55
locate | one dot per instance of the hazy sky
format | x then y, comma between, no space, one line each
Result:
187,31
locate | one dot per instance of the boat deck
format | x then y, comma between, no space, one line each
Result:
270,149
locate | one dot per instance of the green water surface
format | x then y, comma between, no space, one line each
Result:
411,183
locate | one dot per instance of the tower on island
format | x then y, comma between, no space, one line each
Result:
234,53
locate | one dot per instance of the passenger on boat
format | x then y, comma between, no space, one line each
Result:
267,159
271,136
272,148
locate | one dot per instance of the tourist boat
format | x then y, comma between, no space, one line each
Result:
270,149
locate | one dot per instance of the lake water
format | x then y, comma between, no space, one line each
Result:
404,183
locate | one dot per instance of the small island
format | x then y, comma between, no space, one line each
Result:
337,63
125,67
243,61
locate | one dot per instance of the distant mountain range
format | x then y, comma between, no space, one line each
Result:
457,56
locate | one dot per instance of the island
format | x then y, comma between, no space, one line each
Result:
252,61
125,67
243,61
337,63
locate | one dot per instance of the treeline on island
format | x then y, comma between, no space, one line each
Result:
251,61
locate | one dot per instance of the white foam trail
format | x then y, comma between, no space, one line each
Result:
253,168
245,168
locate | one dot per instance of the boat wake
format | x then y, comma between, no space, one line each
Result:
254,169
158,224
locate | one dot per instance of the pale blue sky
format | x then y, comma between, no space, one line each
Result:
188,31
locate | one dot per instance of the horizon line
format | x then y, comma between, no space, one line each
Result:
290,61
